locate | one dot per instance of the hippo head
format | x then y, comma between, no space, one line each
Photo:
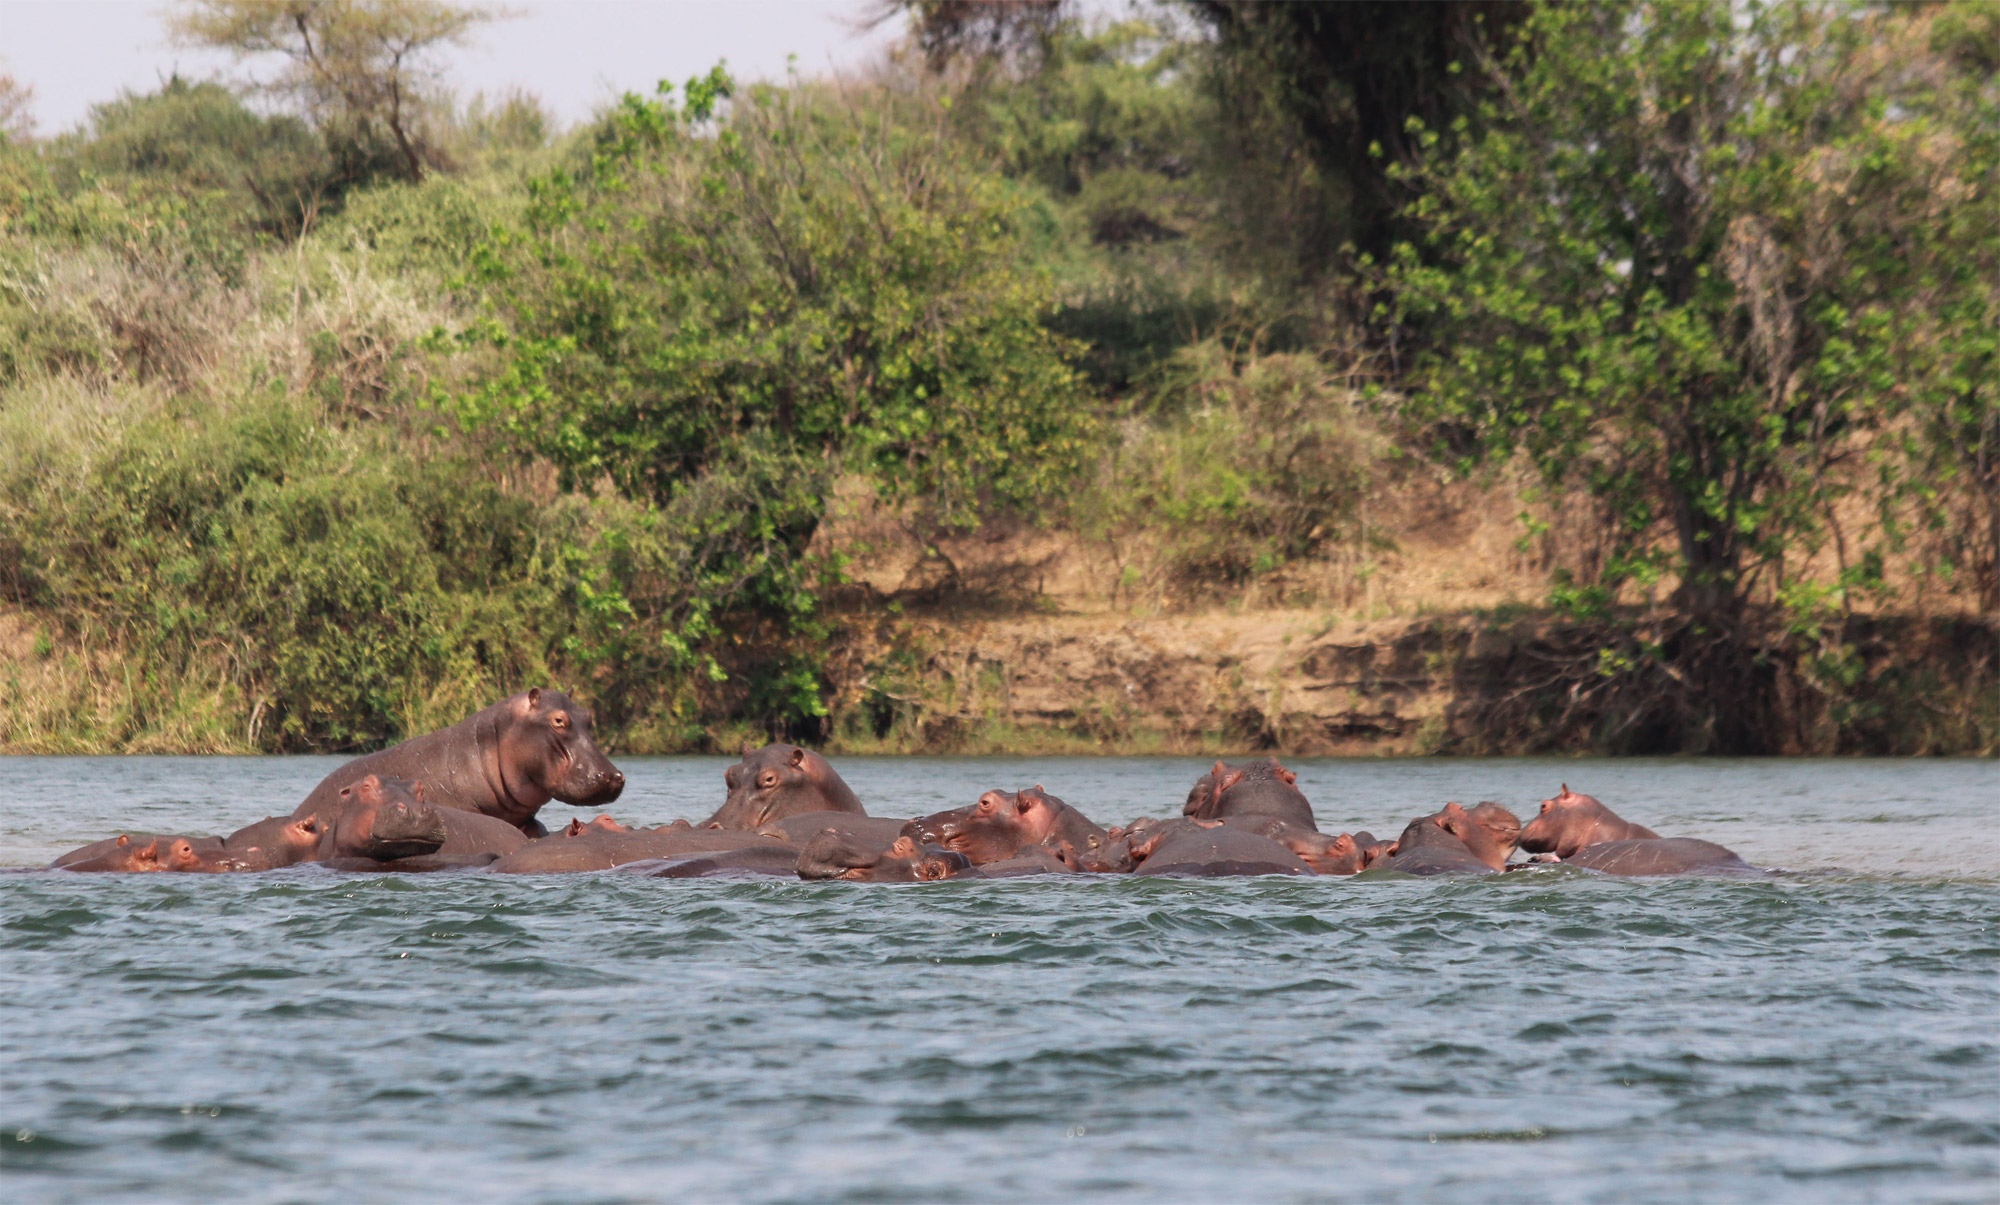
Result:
1570,821
129,856
182,857
276,842
545,748
385,819
993,829
779,781
837,855
1488,830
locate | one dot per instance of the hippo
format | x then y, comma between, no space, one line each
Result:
122,854
837,855
272,843
1427,847
1489,831
506,762
748,861
598,846
1658,856
1208,849
383,819
1571,821
1261,787
112,852
1031,861
1000,826
779,781
803,827
1348,853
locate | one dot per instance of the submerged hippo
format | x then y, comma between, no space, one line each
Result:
1264,788
803,827
1000,826
837,855
506,762
113,853
1207,849
1571,821
1348,853
1428,847
607,844
1658,856
779,781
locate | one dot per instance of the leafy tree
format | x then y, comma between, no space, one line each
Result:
1717,266
356,67
741,310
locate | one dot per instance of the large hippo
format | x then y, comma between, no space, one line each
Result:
837,855
506,762
1263,788
1428,847
1000,825
1348,853
604,845
1658,856
1571,821
778,781
1207,849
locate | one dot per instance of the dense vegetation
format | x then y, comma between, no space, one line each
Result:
328,419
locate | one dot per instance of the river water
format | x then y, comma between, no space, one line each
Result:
1830,1033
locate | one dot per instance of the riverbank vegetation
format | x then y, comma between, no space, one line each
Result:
329,413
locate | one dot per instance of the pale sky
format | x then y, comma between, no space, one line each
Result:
574,54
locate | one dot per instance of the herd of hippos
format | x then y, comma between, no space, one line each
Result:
466,797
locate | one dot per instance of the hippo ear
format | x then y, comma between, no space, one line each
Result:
1438,820
1565,789
124,840
1023,802
731,776
575,827
534,697
1219,771
798,757
1287,775
1228,783
903,848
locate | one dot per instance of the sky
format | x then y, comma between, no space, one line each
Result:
574,54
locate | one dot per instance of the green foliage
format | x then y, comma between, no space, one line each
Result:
1268,463
1705,263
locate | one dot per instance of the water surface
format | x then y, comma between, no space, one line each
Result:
1828,1033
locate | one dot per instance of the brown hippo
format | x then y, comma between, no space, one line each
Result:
1264,788
273,843
778,781
1348,853
1427,847
1658,856
597,846
383,819
837,855
799,829
1489,831
1208,849
112,852
1000,826
506,762
1571,821
1031,861
122,854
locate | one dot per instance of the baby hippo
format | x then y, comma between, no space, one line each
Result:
1000,826
1571,821
837,855
120,855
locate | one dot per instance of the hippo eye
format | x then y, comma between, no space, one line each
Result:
767,779
559,720
1547,804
